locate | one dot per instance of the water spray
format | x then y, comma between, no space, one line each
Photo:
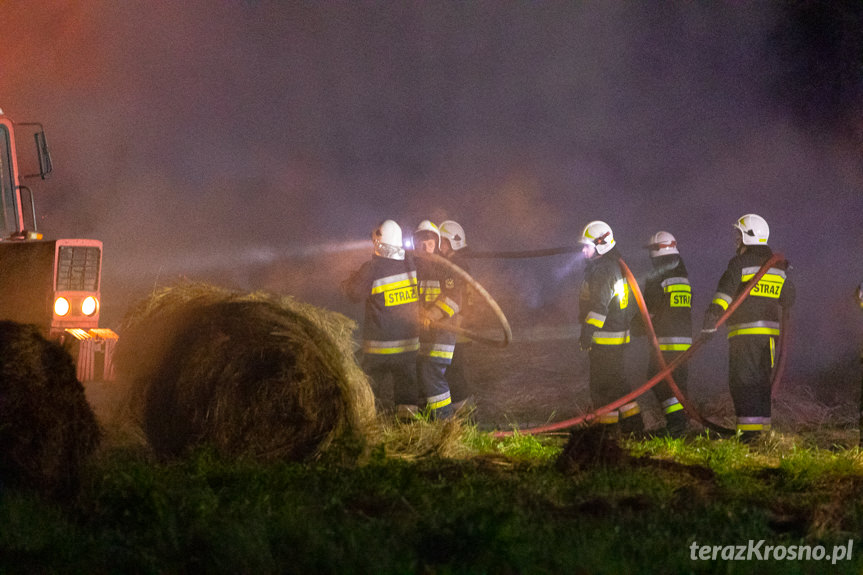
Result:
186,262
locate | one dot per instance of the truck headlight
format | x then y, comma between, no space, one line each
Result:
61,306
89,305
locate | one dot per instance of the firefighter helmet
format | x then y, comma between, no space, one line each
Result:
661,244
454,233
425,228
387,238
599,235
753,229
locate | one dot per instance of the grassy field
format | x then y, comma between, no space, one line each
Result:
447,498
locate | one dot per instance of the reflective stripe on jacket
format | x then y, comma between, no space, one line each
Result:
773,291
605,304
389,288
668,297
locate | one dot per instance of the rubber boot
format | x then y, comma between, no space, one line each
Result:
676,424
632,425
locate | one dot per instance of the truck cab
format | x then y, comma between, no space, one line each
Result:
54,284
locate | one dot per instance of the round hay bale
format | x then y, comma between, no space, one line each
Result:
250,375
47,429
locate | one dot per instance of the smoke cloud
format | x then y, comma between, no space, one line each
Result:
196,133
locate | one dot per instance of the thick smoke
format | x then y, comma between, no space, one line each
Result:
197,132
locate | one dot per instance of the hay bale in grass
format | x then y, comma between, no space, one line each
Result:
252,375
47,429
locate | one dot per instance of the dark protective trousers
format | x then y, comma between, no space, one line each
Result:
607,374
398,370
750,365
432,375
458,374
662,390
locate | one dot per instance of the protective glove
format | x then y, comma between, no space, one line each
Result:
427,318
708,328
585,340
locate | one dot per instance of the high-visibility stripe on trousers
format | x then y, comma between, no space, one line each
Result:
671,405
753,423
434,387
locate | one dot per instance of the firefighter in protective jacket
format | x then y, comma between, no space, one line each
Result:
453,246
606,310
440,303
753,328
668,298
388,285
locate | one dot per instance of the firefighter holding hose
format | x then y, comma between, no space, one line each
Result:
453,246
605,311
668,298
388,285
754,327
440,304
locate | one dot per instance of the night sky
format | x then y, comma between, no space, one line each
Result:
194,134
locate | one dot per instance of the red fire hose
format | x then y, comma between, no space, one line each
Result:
651,335
664,373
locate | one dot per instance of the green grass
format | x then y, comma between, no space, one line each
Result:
497,506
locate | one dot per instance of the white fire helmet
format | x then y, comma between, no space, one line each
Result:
753,229
598,234
454,233
661,244
427,226
387,238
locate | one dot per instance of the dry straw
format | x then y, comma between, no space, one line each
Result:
249,374
47,429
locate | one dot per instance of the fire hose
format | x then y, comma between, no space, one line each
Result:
651,336
477,287
687,406
665,372
523,254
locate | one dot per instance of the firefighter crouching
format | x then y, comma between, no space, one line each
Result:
388,285
753,328
606,311
440,302
668,298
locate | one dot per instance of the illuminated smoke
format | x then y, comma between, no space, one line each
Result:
226,258
569,266
197,135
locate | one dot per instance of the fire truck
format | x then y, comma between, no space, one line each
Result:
52,284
